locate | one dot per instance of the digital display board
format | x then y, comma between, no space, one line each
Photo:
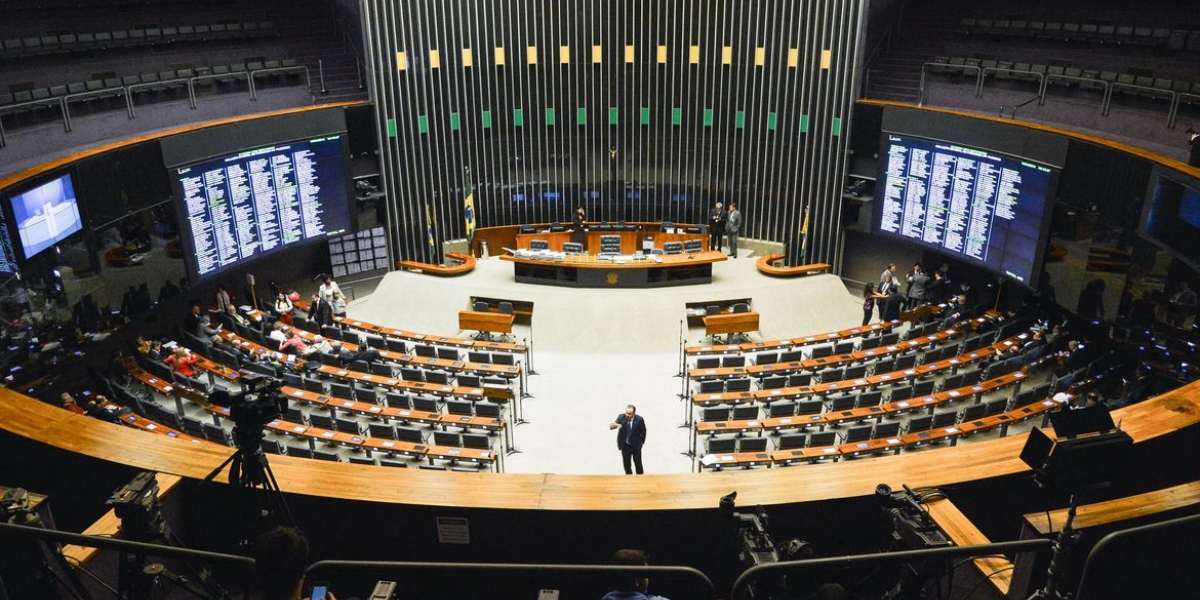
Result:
250,204
1171,218
45,215
358,253
970,204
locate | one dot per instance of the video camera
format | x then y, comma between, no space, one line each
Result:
757,546
259,403
911,524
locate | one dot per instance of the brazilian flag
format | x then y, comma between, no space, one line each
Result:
468,205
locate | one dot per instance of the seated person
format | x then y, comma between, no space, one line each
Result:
294,344
319,345
68,403
181,361
278,333
629,586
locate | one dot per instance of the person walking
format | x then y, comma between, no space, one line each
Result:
631,435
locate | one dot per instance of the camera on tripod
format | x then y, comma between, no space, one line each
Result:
757,546
259,403
136,504
911,525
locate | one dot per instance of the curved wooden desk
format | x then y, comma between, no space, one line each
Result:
466,264
766,265
55,427
588,271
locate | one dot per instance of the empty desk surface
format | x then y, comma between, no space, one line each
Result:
730,323
494,322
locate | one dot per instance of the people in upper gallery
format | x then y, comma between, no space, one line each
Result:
1181,305
1091,301
733,225
870,296
631,435
579,227
1194,143
918,285
328,288
181,361
716,226
630,586
221,299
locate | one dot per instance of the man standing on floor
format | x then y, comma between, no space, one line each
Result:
631,434
716,227
733,223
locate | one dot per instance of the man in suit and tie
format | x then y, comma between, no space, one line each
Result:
733,223
631,434
716,227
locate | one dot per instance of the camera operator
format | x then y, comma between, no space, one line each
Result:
280,558
626,587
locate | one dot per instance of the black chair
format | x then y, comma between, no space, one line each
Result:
362,460
752,444
460,407
427,403
821,351
859,433
350,426
447,353
425,351
396,345
791,441
843,402
365,393
733,360
300,451
822,439
447,438
708,362
381,430
740,384
384,462
887,430
341,390
384,369
398,400
412,374
720,443
478,441
745,412
773,383
479,357
504,358
973,412
810,407
322,421
488,409
558,227
326,455
944,419
844,347
405,433
791,356
766,358
783,408
921,423
715,413
471,381
995,407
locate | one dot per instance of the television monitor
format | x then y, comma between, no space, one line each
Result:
46,214
976,205
244,206
1171,216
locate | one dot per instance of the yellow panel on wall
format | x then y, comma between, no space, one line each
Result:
401,61
468,57
826,58
564,55
629,53
500,56
597,54
793,58
760,56
694,55
662,54
531,55
435,59
726,55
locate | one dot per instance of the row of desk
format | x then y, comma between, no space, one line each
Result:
894,444
413,336
791,343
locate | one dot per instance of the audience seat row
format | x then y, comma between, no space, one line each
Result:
1162,37
43,45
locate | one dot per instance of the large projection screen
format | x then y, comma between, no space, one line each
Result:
256,202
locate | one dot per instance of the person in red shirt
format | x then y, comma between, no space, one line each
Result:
181,361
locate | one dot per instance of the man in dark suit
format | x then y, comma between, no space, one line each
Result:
631,434
716,226
320,311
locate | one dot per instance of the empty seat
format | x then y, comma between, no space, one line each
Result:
791,441
714,413
752,444
733,360
447,438
720,443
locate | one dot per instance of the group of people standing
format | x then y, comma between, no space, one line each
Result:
923,288
724,223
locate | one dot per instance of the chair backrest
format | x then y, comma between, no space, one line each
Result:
721,443
783,408
752,444
476,440
480,306
741,307
447,438
789,441
821,439
572,247
733,360
539,245
708,362
712,309
506,308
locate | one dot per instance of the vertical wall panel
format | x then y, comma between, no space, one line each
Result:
536,137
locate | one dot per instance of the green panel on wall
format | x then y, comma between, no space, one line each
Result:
803,123
613,115
518,117
676,116
581,115
391,127
486,117
739,119
645,115
708,117
423,124
454,122
550,117
837,126
772,121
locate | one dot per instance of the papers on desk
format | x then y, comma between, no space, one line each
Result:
709,460
546,255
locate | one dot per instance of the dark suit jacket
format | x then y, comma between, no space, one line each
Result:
639,432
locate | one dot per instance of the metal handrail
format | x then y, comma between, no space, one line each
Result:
216,76
1041,78
67,99
810,567
150,84
1089,80
1172,94
46,102
256,72
921,97
323,570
